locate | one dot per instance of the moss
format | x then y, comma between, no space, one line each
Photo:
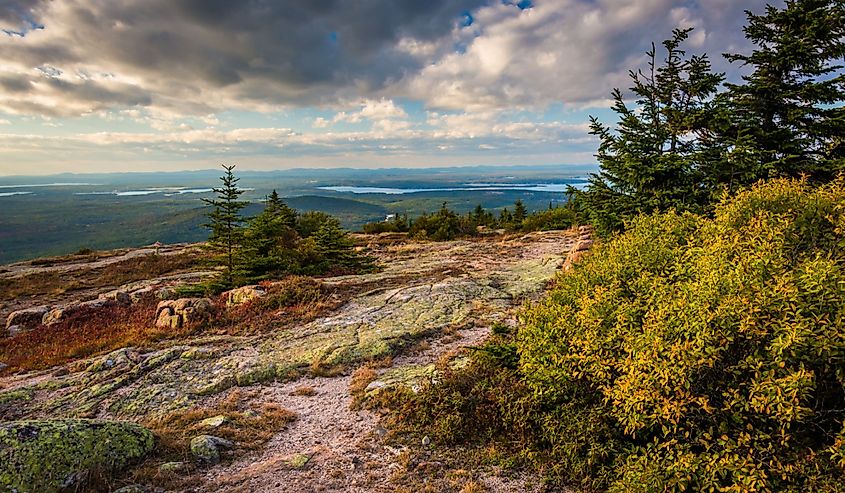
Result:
198,353
16,395
48,455
298,461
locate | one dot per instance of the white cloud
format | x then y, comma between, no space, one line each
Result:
372,109
569,51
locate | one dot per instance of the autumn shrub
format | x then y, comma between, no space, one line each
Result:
293,301
83,333
476,403
292,291
695,354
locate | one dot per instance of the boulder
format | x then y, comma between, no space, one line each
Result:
583,245
56,315
243,294
117,296
60,313
214,421
135,296
58,454
173,467
183,312
95,304
206,448
28,318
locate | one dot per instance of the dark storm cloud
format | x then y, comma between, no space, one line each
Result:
200,56
272,52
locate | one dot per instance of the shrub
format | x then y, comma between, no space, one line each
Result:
477,403
398,224
550,219
693,354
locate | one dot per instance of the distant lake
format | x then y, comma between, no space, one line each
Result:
528,187
30,185
169,191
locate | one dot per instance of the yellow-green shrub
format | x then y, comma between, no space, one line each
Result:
693,354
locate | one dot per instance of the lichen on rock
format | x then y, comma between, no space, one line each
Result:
206,448
46,456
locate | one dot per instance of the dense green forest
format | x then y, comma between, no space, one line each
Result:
699,347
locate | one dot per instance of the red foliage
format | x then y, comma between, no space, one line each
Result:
83,333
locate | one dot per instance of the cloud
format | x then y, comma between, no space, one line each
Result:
570,51
460,134
384,114
17,17
200,57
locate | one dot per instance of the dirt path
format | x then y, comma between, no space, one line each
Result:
344,447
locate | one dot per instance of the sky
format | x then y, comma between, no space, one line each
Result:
167,85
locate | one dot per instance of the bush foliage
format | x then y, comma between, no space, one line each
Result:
695,354
446,224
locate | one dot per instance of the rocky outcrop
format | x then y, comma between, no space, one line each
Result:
47,456
54,316
424,289
29,318
579,250
183,312
117,296
60,313
243,294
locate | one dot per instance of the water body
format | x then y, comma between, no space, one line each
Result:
528,187
32,185
9,194
167,191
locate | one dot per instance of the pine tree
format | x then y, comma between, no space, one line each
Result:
270,241
652,160
505,217
336,249
519,213
790,107
226,223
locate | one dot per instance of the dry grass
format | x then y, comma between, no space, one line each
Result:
319,368
473,487
304,391
116,274
85,333
361,378
292,301
247,426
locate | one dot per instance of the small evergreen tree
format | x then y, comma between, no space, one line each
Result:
652,161
226,224
270,241
519,213
336,249
790,109
505,217
309,222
